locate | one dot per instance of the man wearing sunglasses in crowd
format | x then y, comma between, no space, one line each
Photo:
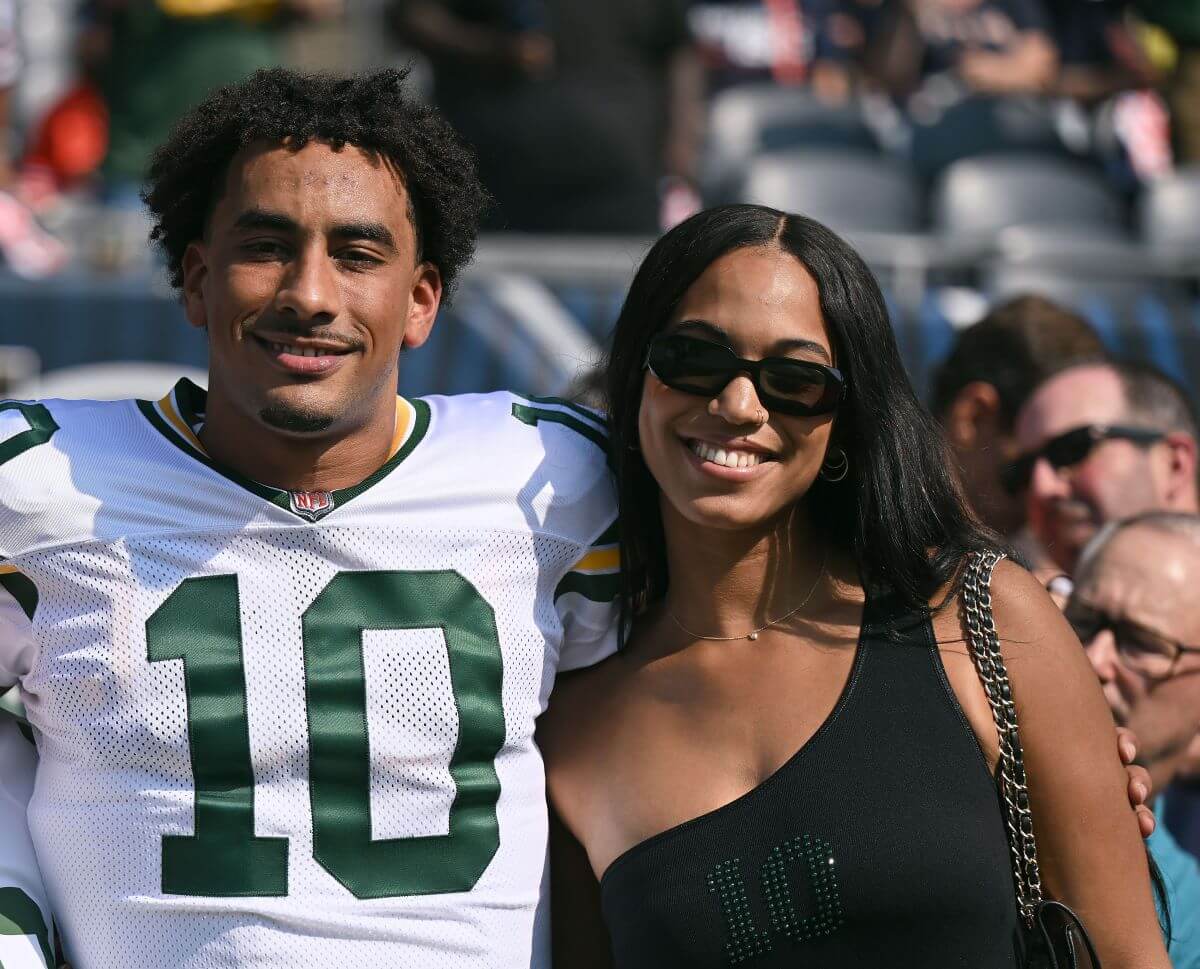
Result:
1099,442
1135,609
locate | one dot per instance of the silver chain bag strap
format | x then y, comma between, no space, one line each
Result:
1053,933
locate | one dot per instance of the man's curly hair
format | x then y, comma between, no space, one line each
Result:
370,111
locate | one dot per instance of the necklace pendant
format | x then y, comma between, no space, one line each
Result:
752,637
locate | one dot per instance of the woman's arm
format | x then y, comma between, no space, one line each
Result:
1089,849
579,937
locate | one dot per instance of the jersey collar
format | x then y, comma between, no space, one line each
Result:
179,415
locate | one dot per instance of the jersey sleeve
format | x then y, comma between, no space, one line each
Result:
588,604
18,600
24,910
25,935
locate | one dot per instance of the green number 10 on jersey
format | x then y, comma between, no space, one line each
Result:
199,623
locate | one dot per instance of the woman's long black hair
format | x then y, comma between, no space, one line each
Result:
899,510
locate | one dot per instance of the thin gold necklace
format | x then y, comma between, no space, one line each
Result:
753,634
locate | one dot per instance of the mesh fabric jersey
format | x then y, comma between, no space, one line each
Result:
297,729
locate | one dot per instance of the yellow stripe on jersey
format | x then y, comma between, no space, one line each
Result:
599,559
170,413
406,420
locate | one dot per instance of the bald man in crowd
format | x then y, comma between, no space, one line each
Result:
1099,442
1136,611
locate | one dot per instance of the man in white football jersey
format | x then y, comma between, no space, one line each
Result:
282,644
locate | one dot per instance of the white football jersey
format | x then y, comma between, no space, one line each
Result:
296,729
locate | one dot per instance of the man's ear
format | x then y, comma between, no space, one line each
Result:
423,308
974,414
1181,471
195,272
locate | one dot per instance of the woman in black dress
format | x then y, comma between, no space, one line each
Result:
790,762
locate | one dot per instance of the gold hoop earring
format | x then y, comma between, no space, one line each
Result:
836,466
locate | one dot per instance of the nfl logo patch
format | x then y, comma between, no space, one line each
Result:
311,505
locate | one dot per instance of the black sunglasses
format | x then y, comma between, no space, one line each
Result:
797,387
1069,448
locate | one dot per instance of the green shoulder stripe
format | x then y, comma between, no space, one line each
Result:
599,588
20,588
534,415
610,536
19,915
589,415
41,428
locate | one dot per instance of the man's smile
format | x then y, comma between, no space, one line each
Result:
303,355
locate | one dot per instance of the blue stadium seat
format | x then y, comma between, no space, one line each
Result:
849,191
977,197
1137,312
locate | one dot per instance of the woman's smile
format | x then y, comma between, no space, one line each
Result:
729,461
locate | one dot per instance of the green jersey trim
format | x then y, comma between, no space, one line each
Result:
177,414
597,575
20,915
20,588
602,587
42,427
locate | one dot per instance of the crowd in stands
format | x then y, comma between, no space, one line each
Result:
607,118
1088,464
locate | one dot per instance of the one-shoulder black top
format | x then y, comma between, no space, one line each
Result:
879,845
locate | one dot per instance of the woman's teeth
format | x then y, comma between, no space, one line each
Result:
727,459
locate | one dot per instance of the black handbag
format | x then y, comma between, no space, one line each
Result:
1053,937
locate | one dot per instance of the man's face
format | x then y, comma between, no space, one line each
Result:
1148,578
1067,506
308,284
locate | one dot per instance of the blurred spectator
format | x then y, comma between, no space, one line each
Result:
1110,110
1101,442
978,390
1098,54
955,65
785,42
154,59
10,73
28,250
988,46
742,41
1181,19
577,109
1136,611
843,31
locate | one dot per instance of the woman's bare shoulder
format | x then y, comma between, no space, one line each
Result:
582,702
1024,613
1035,638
